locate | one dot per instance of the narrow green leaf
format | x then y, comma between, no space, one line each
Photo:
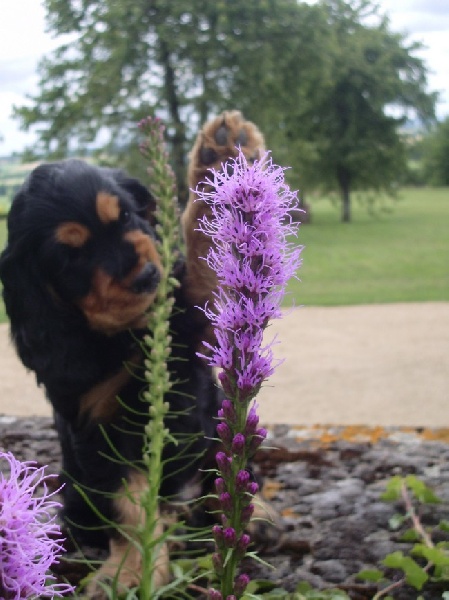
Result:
370,575
393,489
410,535
422,492
414,574
435,555
303,587
444,525
394,560
396,521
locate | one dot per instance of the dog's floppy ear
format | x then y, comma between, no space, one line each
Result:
31,306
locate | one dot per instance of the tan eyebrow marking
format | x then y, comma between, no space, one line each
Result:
72,234
145,247
108,208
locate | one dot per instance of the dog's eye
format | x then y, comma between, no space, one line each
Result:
125,216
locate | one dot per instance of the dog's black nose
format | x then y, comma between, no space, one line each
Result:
147,280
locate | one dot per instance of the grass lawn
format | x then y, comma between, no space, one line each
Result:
396,256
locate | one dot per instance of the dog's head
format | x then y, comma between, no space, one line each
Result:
80,241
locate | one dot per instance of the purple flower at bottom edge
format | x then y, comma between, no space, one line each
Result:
30,538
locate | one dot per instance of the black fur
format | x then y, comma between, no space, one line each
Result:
45,281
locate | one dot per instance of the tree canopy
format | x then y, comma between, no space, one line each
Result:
436,154
327,83
349,137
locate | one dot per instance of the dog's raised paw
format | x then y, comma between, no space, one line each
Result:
220,140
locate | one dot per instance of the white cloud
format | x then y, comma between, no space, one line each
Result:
23,32
23,42
427,22
420,20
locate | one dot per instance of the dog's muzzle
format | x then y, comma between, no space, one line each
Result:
147,280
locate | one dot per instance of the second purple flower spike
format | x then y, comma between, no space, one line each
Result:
253,260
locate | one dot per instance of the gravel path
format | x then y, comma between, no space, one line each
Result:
375,365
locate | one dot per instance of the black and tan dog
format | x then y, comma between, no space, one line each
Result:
80,272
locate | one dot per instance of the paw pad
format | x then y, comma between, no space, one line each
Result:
221,135
242,138
207,155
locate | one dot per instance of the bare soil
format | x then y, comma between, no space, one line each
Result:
384,365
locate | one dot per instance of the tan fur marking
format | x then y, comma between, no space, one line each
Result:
145,248
72,234
112,307
125,557
101,401
108,208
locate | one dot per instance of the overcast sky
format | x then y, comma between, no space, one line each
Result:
23,42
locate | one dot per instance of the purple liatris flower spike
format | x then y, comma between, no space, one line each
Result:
250,254
30,538
253,262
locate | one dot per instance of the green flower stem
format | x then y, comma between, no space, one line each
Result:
156,346
230,568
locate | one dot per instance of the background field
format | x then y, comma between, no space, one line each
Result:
397,256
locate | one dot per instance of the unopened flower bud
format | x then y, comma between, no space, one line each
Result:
224,433
225,383
220,485
242,544
214,594
257,440
217,532
240,584
224,463
227,411
229,537
238,444
252,488
252,420
226,502
241,481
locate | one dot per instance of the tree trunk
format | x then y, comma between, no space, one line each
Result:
344,180
178,138
346,205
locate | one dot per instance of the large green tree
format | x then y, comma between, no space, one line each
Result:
183,60
328,83
435,154
349,137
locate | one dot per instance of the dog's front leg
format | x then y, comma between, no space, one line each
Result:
217,142
123,568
